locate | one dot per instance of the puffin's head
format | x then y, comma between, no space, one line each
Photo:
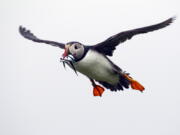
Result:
75,49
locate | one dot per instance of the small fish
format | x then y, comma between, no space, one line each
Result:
69,60
64,65
73,67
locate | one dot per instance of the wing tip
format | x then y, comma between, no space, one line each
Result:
170,20
27,33
22,30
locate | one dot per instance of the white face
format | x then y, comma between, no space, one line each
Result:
76,50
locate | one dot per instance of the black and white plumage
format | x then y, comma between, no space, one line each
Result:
93,62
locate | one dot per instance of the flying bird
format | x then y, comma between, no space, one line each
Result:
92,61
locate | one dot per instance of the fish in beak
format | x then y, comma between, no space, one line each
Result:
68,59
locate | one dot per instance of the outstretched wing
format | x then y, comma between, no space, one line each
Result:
28,35
109,45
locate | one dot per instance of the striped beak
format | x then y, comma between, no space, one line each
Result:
66,51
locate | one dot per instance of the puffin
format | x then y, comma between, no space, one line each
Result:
93,60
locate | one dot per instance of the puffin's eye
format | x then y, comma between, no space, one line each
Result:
76,47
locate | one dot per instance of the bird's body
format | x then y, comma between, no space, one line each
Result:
98,67
92,61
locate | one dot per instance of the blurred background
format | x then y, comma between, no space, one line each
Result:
37,96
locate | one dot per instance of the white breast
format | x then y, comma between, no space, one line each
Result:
96,66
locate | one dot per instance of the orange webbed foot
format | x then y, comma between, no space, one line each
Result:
134,84
98,90
137,86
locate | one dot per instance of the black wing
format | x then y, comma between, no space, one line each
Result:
28,35
109,45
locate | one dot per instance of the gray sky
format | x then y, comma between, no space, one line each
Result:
37,96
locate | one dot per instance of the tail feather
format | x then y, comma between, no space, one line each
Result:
124,82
